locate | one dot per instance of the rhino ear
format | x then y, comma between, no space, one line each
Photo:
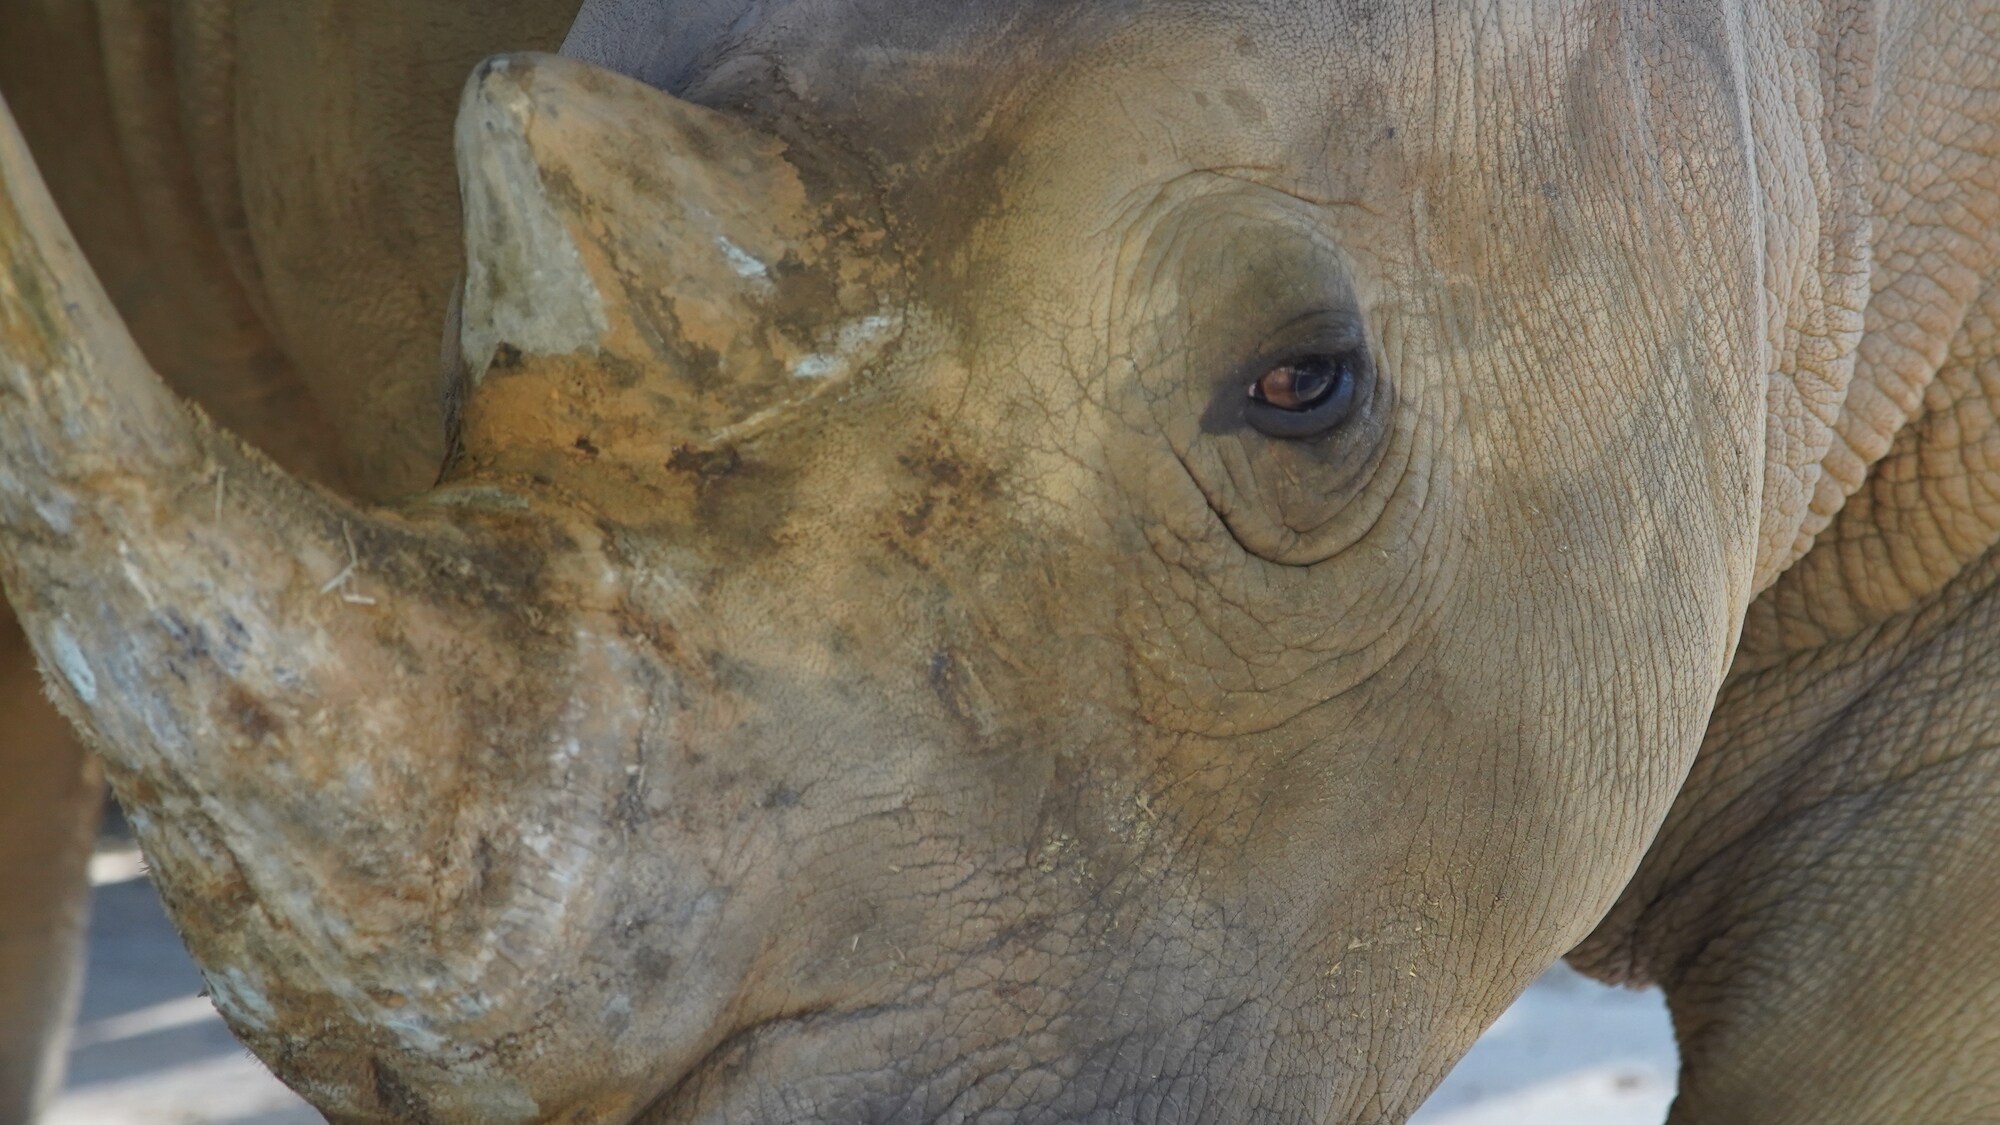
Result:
644,273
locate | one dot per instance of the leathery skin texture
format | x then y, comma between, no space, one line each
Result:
888,642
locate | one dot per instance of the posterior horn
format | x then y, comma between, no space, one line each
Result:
708,276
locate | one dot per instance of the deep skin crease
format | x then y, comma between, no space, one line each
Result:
1005,732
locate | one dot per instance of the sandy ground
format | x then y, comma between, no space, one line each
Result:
150,1051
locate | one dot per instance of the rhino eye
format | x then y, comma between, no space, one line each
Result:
1303,397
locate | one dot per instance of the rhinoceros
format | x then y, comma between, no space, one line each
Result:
1030,561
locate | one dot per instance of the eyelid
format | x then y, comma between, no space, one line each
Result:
1335,329
1332,331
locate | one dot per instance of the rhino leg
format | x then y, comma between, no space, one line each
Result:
48,814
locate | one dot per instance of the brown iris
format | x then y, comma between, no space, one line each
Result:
1297,386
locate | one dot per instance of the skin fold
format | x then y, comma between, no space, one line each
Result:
860,662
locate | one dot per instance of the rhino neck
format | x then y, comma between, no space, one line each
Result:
1880,322
1879,561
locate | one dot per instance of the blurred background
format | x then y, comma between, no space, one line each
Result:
149,1050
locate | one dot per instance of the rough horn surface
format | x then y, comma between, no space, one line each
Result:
283,687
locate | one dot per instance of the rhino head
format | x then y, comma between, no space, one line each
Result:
1068,569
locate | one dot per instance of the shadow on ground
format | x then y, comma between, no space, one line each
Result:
149,1049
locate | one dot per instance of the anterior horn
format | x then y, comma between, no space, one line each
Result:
318,715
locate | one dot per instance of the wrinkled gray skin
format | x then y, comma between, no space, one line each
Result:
1013,734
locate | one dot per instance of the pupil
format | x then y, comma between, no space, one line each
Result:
1297,386
1311,382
